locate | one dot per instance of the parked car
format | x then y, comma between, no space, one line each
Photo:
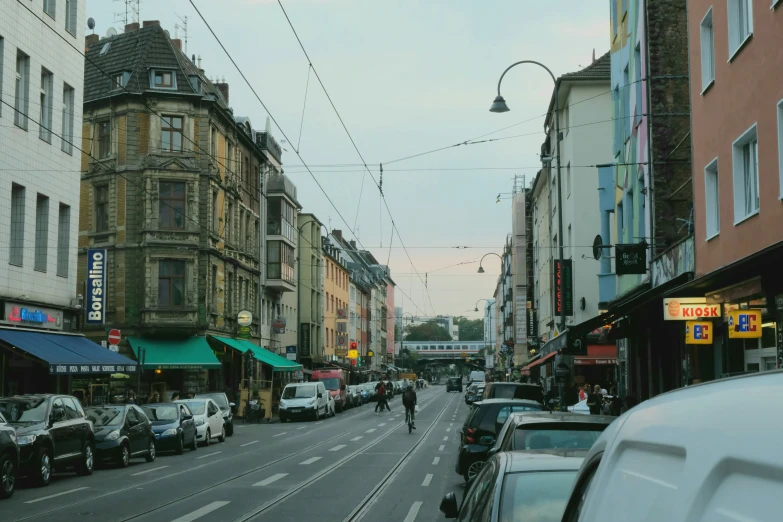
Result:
51,431
335,382
122,431
352,396
514,390
478,434
686,455
454,384
517,486
226,408
208,418
9,459
173,426
474,393
477,376
304,399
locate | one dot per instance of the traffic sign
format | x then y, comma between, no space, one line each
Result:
114,336
114,348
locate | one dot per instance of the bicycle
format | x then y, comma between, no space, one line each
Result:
409,420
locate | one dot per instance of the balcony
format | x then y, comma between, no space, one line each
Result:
280,185
268,143
280,266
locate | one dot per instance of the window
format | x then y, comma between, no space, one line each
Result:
16,253
780,142
707,51
213,143
63,240
627,123
102,208
229,221
229,293
45,115
104,139
620,222
171,206
740,19
163,79
215,214
171,134
41,232
229,156
120,80
171,283
628,207
50,7
642,207
745,158
71,9
66,133
214,287
22,89
637,69
568,179
711,200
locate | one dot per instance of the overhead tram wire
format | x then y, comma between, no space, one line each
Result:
271,116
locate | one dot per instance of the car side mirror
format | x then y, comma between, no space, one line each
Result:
187,417
448,506
343,387
232,404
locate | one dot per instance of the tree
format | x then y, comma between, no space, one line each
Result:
470,329
429,331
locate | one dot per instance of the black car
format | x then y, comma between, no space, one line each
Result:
454,384
173,426
52,433
122,431
474,393
553,431
9,459
517,486
226,408
481,428
514,390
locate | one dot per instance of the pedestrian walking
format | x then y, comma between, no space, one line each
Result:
175,396
380,388
595,400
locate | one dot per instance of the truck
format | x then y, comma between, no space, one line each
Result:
335,382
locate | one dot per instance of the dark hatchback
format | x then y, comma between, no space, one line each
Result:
481,428
173,426
122,431
226,408
9,459
52,433
552,431
514,390
454,384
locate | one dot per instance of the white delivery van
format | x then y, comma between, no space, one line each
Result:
476,377
704,453
304,399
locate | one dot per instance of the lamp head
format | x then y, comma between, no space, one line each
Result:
499,105
481,270
476,310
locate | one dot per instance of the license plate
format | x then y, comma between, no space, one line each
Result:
296,410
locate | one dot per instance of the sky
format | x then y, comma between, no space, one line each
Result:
407,77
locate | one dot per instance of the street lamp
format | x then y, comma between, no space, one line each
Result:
477,302
481,268
499,105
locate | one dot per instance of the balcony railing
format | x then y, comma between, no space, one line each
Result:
267,142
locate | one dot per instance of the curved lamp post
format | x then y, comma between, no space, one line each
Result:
481,268
477,302
499,105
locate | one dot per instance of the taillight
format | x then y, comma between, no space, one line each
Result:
469,436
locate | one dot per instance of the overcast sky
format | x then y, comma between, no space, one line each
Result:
407,76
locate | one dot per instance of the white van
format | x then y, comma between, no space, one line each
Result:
304,399
709,452
476,377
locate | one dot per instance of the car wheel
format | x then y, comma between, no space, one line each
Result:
180,445
208,438
123,459
150,457
230,430
194,444
87,463
222,436
7,476
473,470
317,414
43,470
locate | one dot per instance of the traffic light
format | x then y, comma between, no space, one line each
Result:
359,362
354,346
353,362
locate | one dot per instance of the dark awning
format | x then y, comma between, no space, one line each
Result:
67,353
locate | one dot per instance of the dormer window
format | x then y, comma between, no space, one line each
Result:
163,79
120,80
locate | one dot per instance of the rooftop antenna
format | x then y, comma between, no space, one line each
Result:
91,24
184,27
131,14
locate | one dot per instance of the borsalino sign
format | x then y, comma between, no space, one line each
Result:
689,308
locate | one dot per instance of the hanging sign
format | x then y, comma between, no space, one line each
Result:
95,299
631,259
744,324
689,309
245,318
564,286
698,332
279,325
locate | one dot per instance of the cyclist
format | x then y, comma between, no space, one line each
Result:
409,401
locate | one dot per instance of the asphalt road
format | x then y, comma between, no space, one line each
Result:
356,465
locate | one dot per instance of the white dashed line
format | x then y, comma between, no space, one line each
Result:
451,424
446,438
360,437
301,427
427,480
414,511
55,495
382,424
441,447
147,471
273,478
209,508
279,434
370,430
310,461
448,430
435,461
208,455
248,443
338,447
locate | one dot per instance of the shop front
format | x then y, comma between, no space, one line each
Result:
46,362
599,366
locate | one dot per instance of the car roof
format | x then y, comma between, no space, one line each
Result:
556,416
506,401
522,461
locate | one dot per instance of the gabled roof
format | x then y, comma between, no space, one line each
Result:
601,69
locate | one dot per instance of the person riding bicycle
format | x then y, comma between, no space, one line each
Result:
409,400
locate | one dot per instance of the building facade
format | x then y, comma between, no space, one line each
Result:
336,300
311,306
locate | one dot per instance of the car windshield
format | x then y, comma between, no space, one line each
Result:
197,407
331,384
557,437
535,496
503,392
299,392
105,416
219,398
18,411
161,413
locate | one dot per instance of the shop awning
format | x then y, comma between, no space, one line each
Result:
66,354
280,364
540,361
598,354
192,353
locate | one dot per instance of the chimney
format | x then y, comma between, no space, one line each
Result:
199,61
338,234
91,39
593,54
177,43
150,23
223,88
132,27
352,243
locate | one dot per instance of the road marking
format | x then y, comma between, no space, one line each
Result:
310,461
279,434
55,495
435,461
381,424
273,478
448,430
414,511
446,438
338,447
209,508
451,424
427,480
147,471
370,430
357,438
441,447
301,427
248,443
208,455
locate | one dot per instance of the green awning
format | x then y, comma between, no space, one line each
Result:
192,353
277,362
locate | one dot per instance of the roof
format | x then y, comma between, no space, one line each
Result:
601,69
554,416
519,461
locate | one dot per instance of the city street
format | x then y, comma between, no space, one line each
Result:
356,464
